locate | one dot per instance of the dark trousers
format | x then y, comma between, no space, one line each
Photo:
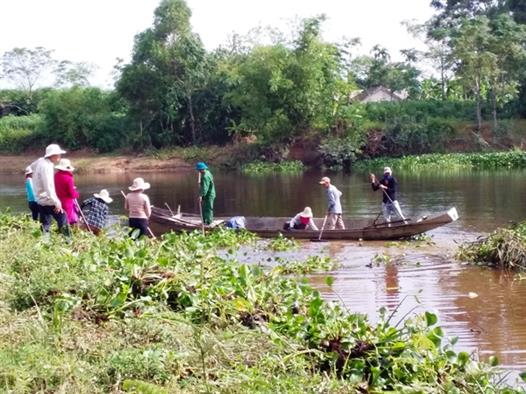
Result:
47,213
140,224
33,206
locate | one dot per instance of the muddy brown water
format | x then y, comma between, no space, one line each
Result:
485,308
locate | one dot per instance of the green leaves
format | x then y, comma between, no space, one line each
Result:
431,319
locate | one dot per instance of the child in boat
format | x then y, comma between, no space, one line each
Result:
66,190
31,200
97,211
138,205
303,221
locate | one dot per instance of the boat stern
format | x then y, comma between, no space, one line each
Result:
453,214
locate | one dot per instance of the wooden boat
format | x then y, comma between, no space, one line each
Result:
268,227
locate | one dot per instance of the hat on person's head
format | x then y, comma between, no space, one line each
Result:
139,184
104,196
325,180
65,165
307,212
201,166
29,170
387,170
54,149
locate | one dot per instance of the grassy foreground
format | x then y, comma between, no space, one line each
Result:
182,316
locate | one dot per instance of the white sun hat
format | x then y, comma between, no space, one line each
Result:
387,170
65,165
104,196
139,184
54,149
307,212
29,170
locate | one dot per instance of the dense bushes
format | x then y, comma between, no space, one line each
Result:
421,109
19,132
84,117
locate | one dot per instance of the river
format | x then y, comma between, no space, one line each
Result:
484,308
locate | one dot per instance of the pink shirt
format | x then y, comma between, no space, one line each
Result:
138,205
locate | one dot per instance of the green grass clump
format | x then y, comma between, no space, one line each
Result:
99,315
310,265
504,248
263,167
450,161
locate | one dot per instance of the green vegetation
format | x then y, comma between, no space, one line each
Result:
19,132
450,161
281,244
100,315
279,89
504,248
310,265
263,167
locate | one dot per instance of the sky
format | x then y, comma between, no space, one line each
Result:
100,31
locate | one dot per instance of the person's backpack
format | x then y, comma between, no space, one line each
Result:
236,222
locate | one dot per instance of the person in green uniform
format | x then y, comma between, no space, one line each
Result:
207,192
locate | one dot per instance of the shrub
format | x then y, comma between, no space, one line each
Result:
19,132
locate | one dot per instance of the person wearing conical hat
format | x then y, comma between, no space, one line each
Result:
138,205
303,221
31,200
207,192
49,205
97,211
66,190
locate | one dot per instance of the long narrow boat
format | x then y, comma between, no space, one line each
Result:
268,227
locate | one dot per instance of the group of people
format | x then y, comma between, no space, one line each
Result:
52,194
333,218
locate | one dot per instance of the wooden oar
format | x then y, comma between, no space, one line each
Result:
82,216
147,228
202,218
395,205
321,231
167,206
200,203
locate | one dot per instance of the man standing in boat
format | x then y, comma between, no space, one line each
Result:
388,184
207,192
334,206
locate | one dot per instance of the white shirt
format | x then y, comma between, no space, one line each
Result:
44,183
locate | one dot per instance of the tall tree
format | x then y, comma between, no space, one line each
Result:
69,74
508,43
168,67
25,67
475,63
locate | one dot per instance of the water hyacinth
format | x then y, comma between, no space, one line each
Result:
263,167
450,161
99,315
504,248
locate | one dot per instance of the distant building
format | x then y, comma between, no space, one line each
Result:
376,94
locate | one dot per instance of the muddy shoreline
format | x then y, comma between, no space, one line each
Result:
100,164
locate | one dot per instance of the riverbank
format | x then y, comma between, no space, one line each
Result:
100,315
